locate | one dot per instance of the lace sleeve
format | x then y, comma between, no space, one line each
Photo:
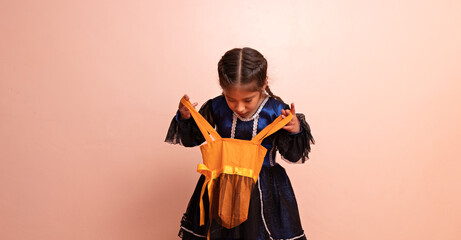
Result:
185,131
295,147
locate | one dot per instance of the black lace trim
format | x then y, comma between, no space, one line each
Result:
295,147
185,131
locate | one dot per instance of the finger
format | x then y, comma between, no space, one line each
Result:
286,127
285,112
282,113
186,97
194,104
293,111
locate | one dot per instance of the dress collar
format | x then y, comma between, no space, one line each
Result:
255,114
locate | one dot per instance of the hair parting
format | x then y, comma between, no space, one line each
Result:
244,66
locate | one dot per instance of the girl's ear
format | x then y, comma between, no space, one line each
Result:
265,83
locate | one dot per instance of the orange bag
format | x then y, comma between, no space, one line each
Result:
231,168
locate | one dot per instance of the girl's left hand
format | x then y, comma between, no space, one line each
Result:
292,126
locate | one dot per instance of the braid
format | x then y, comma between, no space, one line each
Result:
268,90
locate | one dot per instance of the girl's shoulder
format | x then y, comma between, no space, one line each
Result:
275,106
216,103
220,99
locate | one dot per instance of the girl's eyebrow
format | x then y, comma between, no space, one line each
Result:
247,98
256,94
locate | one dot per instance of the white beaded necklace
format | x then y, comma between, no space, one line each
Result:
255,117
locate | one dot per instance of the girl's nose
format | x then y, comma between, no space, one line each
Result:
240,107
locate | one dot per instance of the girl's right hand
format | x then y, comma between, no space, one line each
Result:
185,113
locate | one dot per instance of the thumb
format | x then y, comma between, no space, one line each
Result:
186,97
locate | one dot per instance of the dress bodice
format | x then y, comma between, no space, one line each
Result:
230,125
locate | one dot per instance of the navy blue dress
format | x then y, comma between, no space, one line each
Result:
273,212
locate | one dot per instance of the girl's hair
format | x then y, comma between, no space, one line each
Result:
242,66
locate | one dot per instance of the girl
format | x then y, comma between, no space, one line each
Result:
245,107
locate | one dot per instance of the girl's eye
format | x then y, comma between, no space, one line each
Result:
247,101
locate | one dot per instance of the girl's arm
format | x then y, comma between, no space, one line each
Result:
185,131
295,146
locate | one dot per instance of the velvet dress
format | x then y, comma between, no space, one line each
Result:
273,212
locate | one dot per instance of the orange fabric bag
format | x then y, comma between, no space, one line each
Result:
231,168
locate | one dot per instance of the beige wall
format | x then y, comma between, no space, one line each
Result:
88,89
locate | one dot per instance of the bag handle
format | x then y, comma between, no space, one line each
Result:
277,124
202,123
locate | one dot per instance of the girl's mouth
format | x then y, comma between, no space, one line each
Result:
243,115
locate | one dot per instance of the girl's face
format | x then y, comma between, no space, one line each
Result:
242,101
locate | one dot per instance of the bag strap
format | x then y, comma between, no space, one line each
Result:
277,124
202,123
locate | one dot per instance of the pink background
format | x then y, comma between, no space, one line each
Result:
88,89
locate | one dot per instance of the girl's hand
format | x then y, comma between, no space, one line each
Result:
185,113
292,126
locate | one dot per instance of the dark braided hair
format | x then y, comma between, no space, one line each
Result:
244,66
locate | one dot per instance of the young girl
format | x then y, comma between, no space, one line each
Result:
245,107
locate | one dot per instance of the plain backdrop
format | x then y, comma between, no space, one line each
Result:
88,90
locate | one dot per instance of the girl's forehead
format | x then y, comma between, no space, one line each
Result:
240,92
